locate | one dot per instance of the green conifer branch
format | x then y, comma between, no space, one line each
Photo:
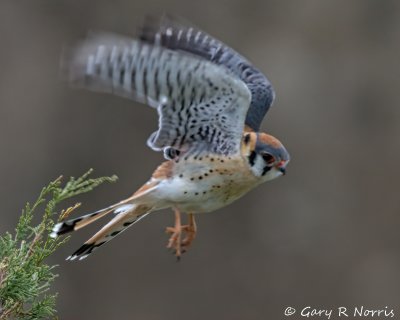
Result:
25,278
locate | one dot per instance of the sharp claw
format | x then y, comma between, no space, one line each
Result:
175,243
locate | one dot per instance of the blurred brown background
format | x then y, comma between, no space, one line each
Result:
325,235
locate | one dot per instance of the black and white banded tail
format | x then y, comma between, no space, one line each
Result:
75,224
125,216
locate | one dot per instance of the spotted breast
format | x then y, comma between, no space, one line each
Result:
204,183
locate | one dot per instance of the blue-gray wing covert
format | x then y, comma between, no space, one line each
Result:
202,106
174,34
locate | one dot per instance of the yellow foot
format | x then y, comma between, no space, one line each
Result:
175,241
191,230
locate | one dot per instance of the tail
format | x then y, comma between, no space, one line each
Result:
126,215
82,221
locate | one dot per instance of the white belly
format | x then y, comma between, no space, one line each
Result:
203,191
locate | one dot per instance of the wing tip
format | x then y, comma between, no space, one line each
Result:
79,61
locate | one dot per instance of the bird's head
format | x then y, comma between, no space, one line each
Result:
265,154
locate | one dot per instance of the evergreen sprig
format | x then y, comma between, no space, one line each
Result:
25,278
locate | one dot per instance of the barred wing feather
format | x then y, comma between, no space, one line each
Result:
174,34
202,106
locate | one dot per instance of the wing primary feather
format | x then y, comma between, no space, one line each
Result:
170,32
182,87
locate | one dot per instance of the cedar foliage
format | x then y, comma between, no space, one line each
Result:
25,277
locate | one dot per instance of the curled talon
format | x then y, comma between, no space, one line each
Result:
175,241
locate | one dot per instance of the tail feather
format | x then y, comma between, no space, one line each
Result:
127,212
80,222
127,215
120,207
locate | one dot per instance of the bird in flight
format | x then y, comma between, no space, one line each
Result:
210,102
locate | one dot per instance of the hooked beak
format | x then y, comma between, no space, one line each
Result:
282,167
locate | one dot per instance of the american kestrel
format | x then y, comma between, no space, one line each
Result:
210,101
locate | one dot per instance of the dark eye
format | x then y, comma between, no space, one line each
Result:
268,158
171,153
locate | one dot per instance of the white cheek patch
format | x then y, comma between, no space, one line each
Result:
258,166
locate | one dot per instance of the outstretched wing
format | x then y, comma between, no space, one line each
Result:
202,106
168,32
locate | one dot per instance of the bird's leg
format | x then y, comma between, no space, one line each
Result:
175,241
176,235
191,230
